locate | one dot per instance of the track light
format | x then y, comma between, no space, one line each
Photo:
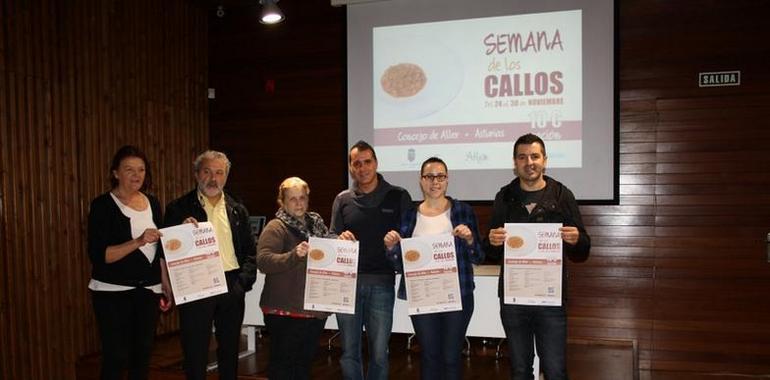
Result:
271,14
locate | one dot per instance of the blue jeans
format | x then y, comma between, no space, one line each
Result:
548,326
374,311
441,337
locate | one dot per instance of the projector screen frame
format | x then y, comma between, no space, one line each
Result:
614,199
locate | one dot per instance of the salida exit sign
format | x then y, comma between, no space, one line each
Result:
719,78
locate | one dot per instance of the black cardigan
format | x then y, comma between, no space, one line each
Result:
108,226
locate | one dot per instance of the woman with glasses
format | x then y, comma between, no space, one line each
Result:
441,335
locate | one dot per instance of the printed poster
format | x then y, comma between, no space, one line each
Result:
533,264
193,261
332,267
430,270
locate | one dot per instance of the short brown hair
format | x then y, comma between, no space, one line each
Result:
127,151
289,183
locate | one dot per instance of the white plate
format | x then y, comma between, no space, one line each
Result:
425,252
185,238
529,237
328,258
442,68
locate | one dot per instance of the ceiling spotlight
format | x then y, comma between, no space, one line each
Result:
271,14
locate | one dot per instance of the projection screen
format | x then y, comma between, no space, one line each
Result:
461,80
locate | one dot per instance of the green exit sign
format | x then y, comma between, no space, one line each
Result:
719,78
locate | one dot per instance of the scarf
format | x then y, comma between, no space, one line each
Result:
313,226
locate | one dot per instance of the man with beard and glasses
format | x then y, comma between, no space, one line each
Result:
209,202
533,197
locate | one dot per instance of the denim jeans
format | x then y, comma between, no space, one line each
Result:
441,337
374,311
548,326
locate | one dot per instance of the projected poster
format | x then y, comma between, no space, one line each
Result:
465,90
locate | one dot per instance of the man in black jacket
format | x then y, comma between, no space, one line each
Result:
208,202
535,198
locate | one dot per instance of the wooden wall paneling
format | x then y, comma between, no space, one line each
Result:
54,274
3,37
710,267
5,278
65,116
69,96
34,192
22,197
611,295
17,141
39,155
31,190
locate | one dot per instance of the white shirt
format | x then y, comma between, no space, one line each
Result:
433,225
140,221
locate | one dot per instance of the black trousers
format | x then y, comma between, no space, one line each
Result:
127,322
293,342
225,313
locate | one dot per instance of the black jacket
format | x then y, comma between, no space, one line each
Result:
243,241
557,205
108,226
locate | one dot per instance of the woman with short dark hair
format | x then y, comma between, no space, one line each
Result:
126,259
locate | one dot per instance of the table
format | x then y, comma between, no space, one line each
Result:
484,323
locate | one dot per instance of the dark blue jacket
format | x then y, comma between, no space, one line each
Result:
461,213
369,216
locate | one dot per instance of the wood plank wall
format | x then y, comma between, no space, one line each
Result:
695,163
78,79
679,265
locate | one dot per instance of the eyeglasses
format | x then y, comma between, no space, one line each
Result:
436,177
